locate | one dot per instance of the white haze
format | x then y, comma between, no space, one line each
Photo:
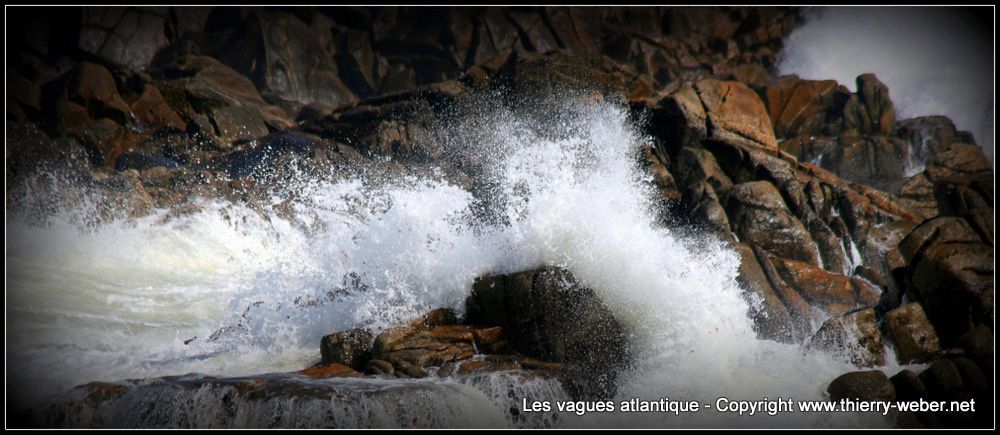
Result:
935,61
120,300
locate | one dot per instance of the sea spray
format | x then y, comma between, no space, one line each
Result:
229,290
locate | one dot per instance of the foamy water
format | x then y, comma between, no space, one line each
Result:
120,299
935,61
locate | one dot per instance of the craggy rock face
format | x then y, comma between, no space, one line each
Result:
839,211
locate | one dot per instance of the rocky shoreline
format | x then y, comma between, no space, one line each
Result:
865,235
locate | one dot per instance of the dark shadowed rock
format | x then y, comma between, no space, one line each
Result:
352,348
952,270
125,36
943,380
908,386
547,314
862,385
142,160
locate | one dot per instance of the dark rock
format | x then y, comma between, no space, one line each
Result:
198,84
771,318
863,385
141,160
283,57
546,314
758,215
908,386
694,165
379,367
703,204
125,36
682,116
972,376
943,380
912,333
250,160
978,342
952,270
878,161
352,348
854,336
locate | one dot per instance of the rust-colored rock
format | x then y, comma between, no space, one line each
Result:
327,371
736,115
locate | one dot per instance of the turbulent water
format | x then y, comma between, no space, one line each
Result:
119,299
935,61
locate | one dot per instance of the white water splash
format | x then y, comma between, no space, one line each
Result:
563,189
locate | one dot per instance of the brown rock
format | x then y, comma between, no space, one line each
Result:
237,124
870,110
330,371
203,84
863,385
736,115
824,289
854,336
487,335
912,334
153,111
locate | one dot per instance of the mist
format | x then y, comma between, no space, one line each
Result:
935,61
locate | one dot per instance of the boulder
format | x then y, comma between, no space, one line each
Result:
351,348
736,115
943,380
912,333
124,36
870,110
908,386
771,318
862,385
854,336
151,109
951,269
834,293
799,107
547,314
284,58
759,216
